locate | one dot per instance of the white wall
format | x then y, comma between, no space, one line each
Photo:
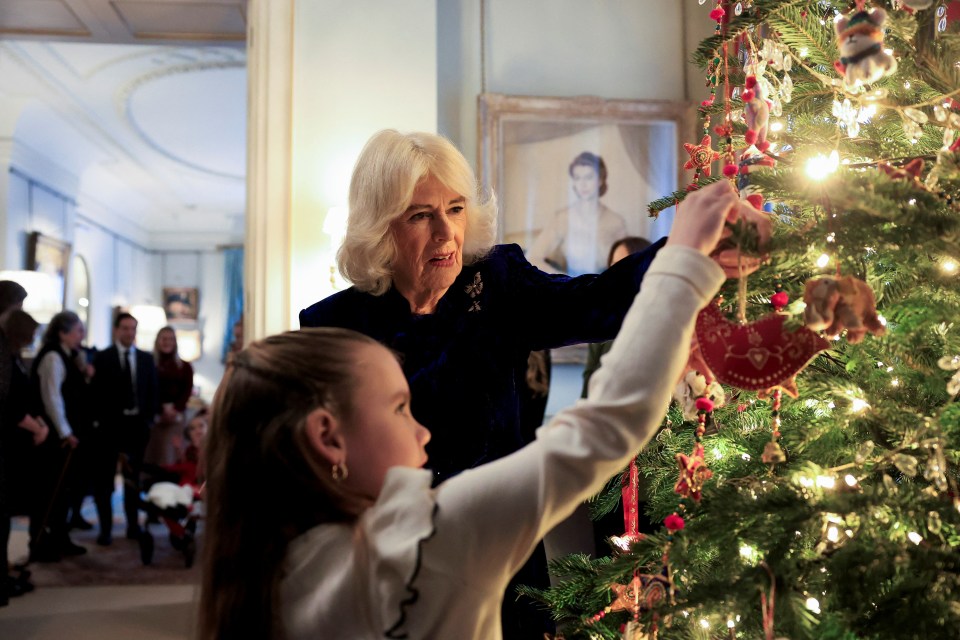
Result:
613,49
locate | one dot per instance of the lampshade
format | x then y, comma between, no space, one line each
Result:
150,319
44,293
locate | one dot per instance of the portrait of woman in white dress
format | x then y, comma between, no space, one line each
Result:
576,239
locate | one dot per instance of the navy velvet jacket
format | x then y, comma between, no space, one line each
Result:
466,362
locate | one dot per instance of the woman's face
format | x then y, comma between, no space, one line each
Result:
381,432
586,182
429,239
72,338
166,342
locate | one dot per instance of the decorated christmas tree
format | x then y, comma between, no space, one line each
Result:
814,494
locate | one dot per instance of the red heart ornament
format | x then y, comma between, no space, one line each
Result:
754,356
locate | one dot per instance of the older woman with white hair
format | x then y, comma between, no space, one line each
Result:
429,283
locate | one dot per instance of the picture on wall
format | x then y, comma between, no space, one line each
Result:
574,175
181,303
52,257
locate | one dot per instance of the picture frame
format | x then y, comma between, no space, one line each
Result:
181,303
50,256
573,175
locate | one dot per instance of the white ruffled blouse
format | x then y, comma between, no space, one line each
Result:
434,563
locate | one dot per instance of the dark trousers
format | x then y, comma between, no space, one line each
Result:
48,513
124,439
133,443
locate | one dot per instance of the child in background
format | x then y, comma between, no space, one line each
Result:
326,526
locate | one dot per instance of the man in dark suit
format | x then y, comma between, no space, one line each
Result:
125,390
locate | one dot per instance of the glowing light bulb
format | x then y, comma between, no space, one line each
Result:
804,52
895,382
826,482
833,534
813,605
857,405
823,261
850,480
776,125
704,623
949,266
820,166
915,537
746,551
731,624
883,321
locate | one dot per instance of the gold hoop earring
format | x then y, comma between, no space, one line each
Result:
339,472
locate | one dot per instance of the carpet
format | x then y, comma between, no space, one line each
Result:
117,564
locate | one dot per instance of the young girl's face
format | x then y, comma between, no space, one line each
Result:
381,432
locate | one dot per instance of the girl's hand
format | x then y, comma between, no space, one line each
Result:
701,216
40,434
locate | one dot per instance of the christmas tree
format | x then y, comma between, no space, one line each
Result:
834,513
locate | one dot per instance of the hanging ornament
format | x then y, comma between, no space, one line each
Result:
948,363
693,473
757,355
860,40
835,304
909,171
701,157
757,113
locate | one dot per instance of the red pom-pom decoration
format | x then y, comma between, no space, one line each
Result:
747,95
707,103
750,136
741,408
717,14
751,82
730,170
763,146
673,522
704,404
779,300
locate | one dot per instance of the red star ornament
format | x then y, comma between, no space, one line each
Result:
701,155
693,473
911,170
642,594
758,355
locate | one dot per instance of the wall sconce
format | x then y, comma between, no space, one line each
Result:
44,293
189,344
335,226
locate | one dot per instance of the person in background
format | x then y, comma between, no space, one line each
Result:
175,385
429,283
63,402
620,249
12,295
125,392
325,521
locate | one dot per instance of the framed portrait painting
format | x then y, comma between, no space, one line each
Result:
181,303
52,257
574,175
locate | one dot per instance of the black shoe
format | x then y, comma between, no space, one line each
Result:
104,539
68,548
146,547
133,533
14,587
77,522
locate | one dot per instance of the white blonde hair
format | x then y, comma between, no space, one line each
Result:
384,179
